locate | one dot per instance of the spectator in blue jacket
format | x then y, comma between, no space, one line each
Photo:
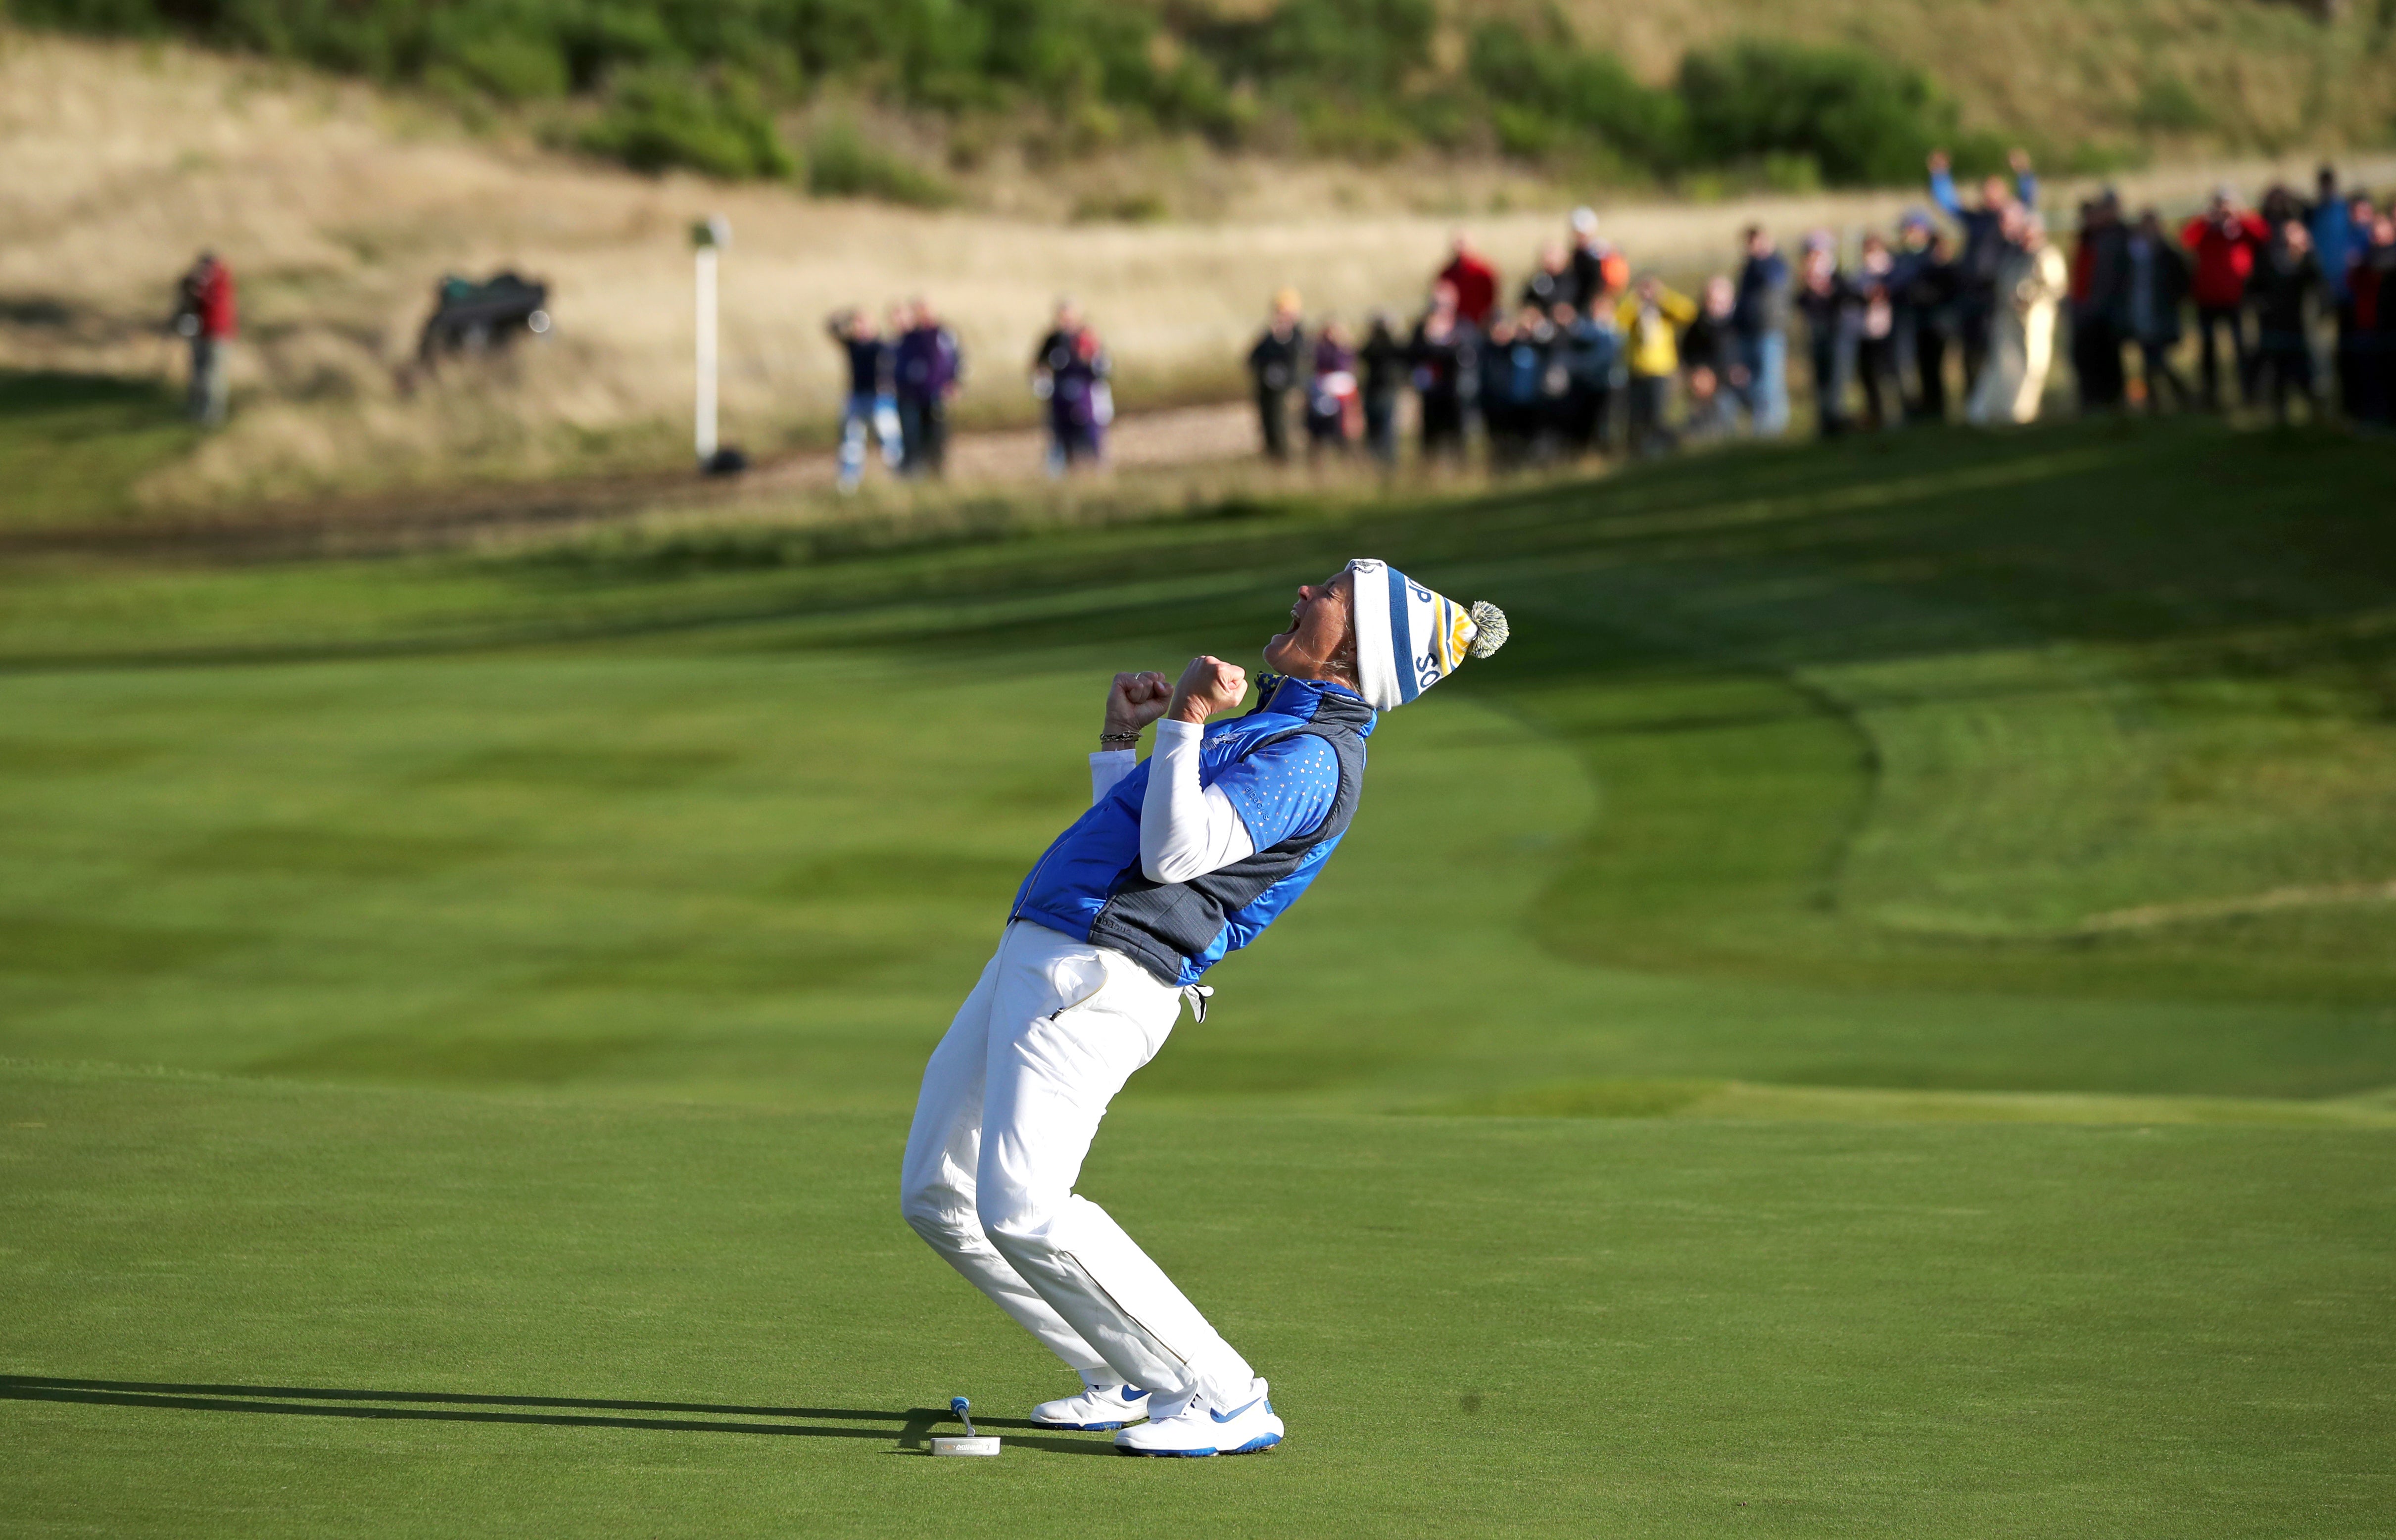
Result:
1513,372
1588,349
1760,322
2330,221
2357,342
1984,247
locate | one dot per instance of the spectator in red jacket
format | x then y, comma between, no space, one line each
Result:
1475,282
2224,239
204,314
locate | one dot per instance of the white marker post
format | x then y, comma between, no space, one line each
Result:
708,237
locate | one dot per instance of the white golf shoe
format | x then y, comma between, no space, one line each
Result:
1098,1407
1194,1428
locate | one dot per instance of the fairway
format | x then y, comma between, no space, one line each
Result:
1484,1326
1875,1014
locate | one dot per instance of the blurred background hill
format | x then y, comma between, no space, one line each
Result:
1646,91
1170,165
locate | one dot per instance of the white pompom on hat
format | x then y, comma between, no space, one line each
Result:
1409,638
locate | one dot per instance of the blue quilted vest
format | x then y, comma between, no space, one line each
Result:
1090,884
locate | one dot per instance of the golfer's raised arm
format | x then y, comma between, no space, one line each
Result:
1133,701
1187,831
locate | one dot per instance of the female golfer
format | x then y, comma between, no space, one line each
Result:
1180,861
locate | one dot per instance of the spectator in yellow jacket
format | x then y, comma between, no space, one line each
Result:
1651,317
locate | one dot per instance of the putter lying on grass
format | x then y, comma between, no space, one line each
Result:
972,1443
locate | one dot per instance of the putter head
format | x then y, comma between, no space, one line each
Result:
971,1444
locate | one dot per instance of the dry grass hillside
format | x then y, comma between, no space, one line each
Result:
2266,76
339,209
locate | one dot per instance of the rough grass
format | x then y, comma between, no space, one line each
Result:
74,445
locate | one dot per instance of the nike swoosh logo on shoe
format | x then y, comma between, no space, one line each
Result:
1227,1416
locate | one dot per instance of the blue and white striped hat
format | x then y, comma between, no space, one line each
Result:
1409,638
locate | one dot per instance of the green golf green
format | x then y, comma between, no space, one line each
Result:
567,1317
1877,1008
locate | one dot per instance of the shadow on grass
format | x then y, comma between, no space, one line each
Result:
72,446
911,1434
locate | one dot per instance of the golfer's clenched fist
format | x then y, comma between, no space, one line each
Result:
1209,684
1134,701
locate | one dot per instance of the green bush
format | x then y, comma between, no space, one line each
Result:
657,118
1863,118
843,164
1533,73
1361,50
513,69
2166,105
1368,133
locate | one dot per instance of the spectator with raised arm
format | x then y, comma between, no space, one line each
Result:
1983,246
1651,318
870,403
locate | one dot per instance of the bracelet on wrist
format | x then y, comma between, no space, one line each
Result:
1119,740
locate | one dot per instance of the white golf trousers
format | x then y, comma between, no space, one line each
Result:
1011,1100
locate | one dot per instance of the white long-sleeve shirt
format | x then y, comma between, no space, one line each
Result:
1185,829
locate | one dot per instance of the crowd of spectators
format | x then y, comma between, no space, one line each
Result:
900,382
1964,311
1589,356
